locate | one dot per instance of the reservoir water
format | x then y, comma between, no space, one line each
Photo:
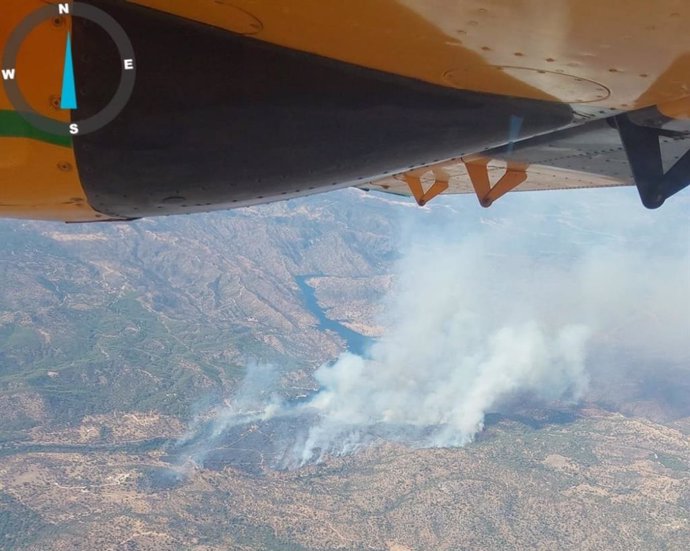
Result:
355,342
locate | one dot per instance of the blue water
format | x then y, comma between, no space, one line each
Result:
355,342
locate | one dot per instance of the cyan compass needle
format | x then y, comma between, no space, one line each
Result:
69,88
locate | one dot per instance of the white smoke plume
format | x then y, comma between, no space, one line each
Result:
256,400
465,331
516,306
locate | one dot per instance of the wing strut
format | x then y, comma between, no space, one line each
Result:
413,179
478,171
643,149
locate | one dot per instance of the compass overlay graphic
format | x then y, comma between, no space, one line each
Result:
68,100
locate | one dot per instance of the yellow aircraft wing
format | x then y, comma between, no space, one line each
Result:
114,110
488,179
588,156
613,54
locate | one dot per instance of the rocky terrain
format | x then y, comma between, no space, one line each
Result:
160,313
116,339
596,481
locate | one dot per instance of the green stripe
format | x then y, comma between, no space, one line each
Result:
12,125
